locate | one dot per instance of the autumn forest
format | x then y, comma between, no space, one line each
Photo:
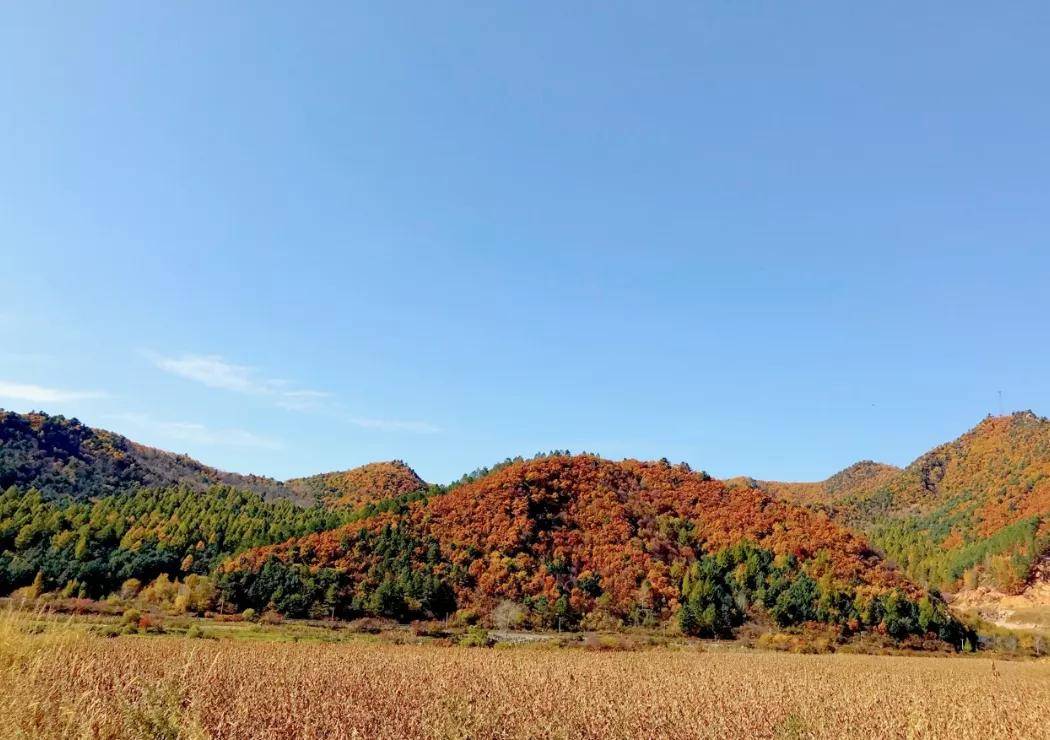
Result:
554,542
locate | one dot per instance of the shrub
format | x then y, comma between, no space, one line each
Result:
368,625
600,620
271,617
508,616
195,632
429,629
465,617
130,588
476,636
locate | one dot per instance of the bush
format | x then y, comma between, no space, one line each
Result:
600,620
368,625
508,616
476,636
465,617
271,617
429,629
130,588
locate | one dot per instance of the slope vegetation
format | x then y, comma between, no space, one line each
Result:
580,539
856,480
92,547
350,489
974,511
62,457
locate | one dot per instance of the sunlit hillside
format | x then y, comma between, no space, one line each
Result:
973,511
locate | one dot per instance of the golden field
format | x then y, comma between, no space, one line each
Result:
67,683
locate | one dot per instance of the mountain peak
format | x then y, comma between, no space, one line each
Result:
861,475
358,486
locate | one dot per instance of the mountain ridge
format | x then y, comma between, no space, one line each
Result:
562,539
971,511
64,457
358,486
61,456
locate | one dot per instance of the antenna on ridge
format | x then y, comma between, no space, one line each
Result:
1000,403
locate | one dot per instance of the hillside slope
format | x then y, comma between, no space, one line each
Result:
582,539
974,511
63,457
350,489
856,480
92,547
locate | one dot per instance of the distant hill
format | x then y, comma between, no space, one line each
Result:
856,480
974,511
562,539
557,540
63,457
350,489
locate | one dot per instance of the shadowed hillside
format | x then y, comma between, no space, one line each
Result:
62,457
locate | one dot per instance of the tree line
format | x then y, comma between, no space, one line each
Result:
89,548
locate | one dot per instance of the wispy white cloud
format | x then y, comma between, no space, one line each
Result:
395,425
42,394
192,432
214,371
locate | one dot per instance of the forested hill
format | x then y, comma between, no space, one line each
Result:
856,480
562,540
974,511
62,457
350,489
558,540
92,547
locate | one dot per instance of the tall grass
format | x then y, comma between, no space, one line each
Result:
60,682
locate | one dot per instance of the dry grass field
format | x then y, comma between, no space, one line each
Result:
65,683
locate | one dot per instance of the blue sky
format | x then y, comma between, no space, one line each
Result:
768,238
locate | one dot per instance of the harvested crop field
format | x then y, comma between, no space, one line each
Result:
67,684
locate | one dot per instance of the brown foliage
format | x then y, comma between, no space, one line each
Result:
558,524
961,493
351,489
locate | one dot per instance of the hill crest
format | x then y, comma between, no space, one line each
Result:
359,486
972,511
64,457
61,456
